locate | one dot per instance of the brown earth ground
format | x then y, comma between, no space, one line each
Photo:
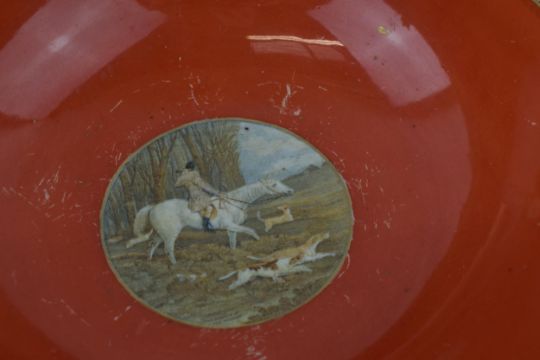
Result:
320,204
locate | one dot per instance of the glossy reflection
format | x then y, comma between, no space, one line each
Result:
61,46
396,57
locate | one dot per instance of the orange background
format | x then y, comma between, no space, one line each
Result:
429,110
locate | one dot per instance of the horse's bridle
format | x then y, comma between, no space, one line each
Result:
270,189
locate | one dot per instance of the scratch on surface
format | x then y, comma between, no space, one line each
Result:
56,175
12,191
358,184
117,158
252,352
285,100
268,83
65,196
323,42
58,217
193,97
71,311
46,196
116,106
117,317
69,308
347,265
338,158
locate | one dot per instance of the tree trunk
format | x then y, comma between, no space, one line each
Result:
129,198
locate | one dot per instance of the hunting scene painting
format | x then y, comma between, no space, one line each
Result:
226,223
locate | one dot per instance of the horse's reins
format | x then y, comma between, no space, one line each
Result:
230,200
245,202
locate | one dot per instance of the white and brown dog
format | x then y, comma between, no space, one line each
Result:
280,263
285,217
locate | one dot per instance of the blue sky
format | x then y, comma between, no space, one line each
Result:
265,150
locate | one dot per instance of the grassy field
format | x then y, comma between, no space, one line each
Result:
190,291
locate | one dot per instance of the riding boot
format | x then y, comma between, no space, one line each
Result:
206,224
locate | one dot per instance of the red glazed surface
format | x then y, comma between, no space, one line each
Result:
429,110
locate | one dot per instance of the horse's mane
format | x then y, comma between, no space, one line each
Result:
243,191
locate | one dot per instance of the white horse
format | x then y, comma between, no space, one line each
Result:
169,217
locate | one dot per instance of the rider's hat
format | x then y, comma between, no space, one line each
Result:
190,165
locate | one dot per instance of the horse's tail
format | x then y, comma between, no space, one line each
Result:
228,275
259,216
141,226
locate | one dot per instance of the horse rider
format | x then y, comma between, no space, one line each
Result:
200,193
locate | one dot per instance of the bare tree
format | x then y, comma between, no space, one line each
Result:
214,148
150,175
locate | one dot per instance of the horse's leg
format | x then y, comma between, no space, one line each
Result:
139,239
169,249
155,245
168,232
232,238
242,229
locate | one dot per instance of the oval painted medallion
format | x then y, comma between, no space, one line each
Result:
226,222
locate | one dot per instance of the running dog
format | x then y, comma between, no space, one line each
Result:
285,217
281,263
